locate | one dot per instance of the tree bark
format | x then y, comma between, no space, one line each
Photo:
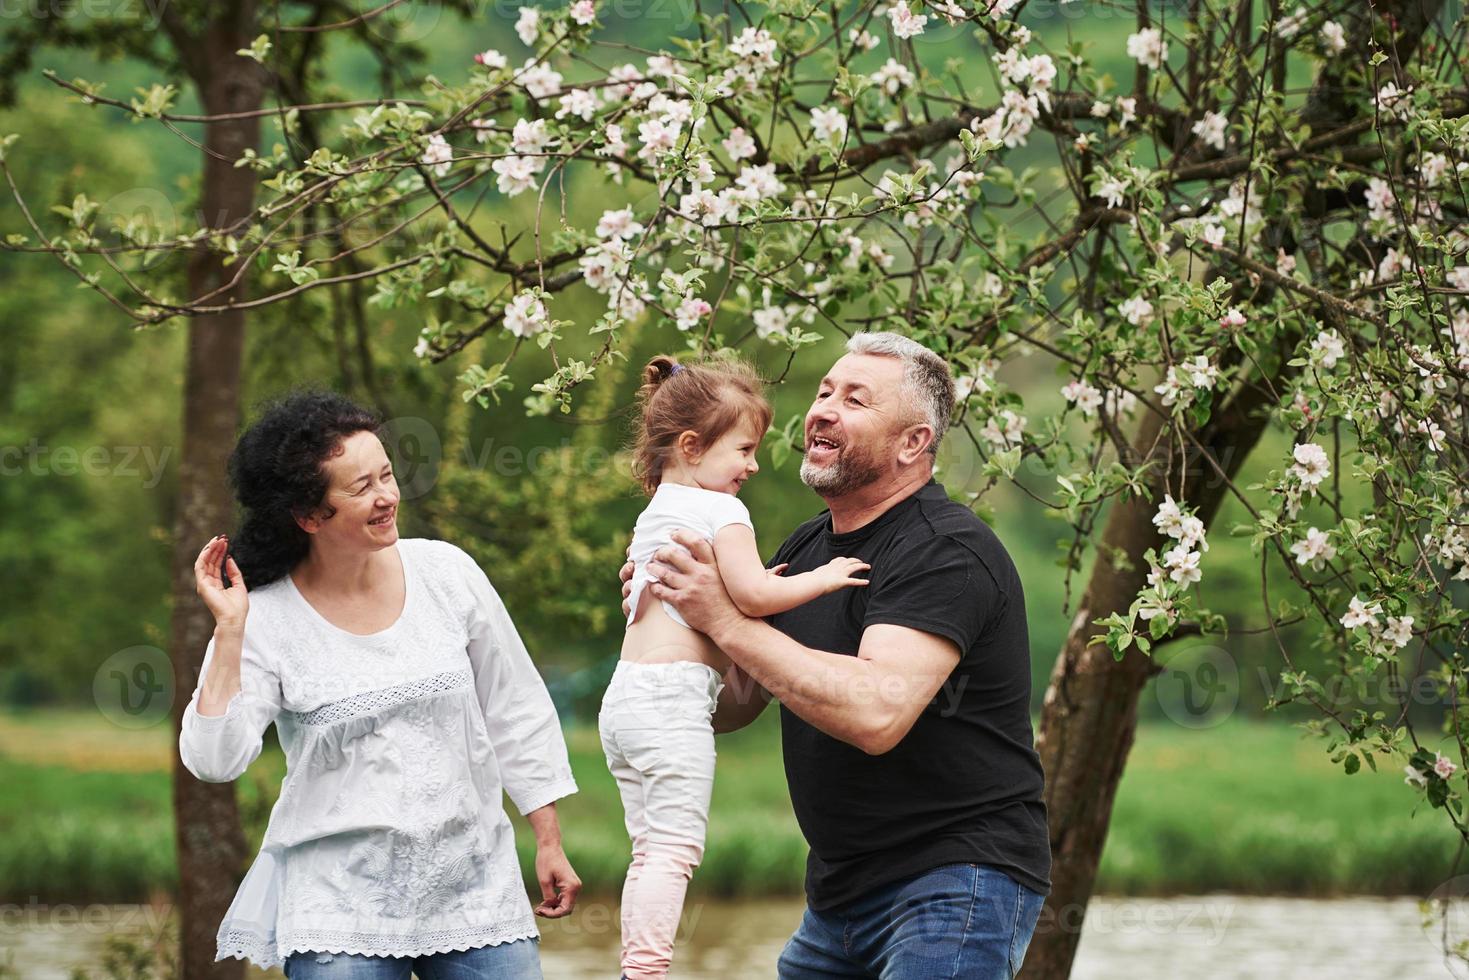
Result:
212,850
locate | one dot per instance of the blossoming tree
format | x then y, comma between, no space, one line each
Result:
1248,222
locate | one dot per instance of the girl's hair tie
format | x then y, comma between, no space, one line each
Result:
675,369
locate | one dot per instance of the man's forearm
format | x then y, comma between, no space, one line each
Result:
839,695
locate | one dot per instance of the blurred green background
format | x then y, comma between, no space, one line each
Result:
1238,802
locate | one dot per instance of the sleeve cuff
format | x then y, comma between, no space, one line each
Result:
528,800
214,722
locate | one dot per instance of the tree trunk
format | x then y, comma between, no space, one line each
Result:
212,851
1089,715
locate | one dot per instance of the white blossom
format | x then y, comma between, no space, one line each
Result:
1128,106
1315,549
529,137
1311,467
618,224
583,12
662,66
1170,388
1333,37
525,315
1004,429
1113,190
893,77
1148,48
515,174
615,146
905,22
1328,348
1394,263
657,136
1433,168
1360,613
1182,565
755,183
1434,432
1398,631
1201,373
1084,396
438,155
578,102
539,78
1380,199
690,311
528,25
1169,517
1118,402
771,320
739,144
1212,129
828,125
756,47
1395,101
1137,310
1289,27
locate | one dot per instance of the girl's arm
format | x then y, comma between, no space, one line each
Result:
759,593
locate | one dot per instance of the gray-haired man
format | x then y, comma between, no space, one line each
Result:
904,705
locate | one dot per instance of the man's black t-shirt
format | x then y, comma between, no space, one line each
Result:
964,785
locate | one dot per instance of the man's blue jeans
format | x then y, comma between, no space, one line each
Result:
961,920
517,960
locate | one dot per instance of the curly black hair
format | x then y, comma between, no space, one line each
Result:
277,472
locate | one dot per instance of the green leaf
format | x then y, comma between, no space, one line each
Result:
257,50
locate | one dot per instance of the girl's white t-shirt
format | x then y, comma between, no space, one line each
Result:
389,837
676,506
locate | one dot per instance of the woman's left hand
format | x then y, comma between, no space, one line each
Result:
559,884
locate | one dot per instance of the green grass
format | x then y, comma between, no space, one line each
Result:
1245,808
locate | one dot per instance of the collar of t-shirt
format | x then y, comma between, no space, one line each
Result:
896,512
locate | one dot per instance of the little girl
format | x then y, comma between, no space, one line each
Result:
701,425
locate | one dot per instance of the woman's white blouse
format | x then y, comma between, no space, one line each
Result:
390,835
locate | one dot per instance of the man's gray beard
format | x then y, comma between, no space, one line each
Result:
846,475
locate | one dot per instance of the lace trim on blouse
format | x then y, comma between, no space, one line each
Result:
244,944
386,697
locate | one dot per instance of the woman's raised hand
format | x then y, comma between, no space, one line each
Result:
229,605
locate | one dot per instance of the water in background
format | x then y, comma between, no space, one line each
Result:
1222,937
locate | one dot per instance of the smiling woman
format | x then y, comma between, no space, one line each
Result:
405,703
